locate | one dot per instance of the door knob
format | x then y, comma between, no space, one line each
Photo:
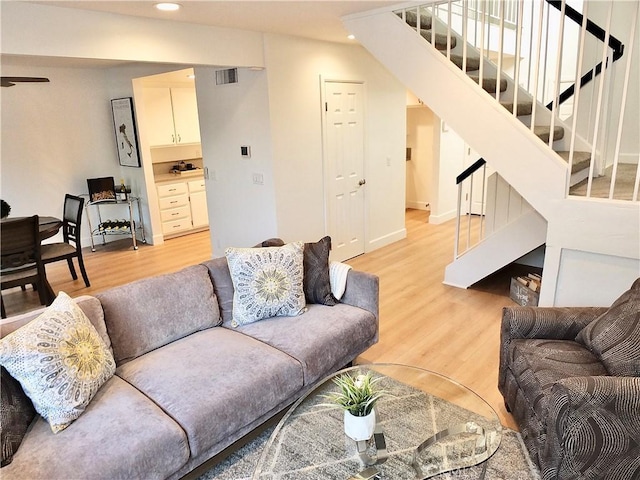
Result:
362,182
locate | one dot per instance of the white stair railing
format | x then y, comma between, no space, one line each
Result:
539,48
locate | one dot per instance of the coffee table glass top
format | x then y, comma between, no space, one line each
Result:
427,425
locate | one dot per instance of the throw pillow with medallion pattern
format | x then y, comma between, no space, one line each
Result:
267,282
60,360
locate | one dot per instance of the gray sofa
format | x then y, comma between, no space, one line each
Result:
571,378
187,383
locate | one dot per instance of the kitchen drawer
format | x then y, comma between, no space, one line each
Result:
176,226
172,189
175,213
174,202
196,186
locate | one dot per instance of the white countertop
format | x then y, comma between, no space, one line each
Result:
196,174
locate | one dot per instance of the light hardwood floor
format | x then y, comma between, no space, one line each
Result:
424,323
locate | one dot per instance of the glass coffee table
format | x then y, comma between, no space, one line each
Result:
428,424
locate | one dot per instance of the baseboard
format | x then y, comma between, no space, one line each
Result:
417,205
386,240
444,217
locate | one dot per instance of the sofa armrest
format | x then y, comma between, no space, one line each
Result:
363,291
593,429
557,323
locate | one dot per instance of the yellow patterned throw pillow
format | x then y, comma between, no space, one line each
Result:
267,282
60,361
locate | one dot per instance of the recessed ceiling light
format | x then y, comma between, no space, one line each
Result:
351,36
167,7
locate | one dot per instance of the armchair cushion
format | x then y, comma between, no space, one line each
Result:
539,364
614,337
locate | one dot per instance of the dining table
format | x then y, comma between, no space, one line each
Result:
47,227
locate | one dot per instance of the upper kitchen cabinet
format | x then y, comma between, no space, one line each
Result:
173,115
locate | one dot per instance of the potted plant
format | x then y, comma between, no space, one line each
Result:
357,395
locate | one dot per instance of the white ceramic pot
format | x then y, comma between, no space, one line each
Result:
359,428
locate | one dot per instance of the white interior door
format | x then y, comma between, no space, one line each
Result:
477,189
344,168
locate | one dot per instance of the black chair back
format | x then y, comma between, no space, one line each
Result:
72,219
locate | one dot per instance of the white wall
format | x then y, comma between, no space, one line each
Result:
241,213
56,135
451,149
276,111
420,125
294,69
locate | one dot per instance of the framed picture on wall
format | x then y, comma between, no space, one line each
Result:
125,131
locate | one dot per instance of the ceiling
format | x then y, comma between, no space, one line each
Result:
318,20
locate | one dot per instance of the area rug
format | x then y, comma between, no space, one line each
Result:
510,462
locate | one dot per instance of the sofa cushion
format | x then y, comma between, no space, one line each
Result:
149,313
122,435
60,361
16,414
614,337
214,382
317,285
322,339
267,282
538,364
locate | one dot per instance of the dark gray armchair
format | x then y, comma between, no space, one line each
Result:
571,378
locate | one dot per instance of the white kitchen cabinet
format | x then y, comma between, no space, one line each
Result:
175,211
173,115
160,114
183,206
198,201
185,115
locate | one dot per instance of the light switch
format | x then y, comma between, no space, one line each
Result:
245,151
258,179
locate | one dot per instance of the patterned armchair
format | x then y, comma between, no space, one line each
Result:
571,378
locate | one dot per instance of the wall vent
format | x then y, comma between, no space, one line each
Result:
229,75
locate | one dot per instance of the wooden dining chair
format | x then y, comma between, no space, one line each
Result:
70,246
20,258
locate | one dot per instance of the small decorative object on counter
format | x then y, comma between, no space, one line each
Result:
357,396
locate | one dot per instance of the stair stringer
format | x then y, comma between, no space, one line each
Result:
512,241
525,162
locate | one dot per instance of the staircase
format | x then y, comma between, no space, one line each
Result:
531,149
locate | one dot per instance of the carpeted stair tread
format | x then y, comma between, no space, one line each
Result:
543,133
411,18
473,63
441,39
524,107
489,84
581,160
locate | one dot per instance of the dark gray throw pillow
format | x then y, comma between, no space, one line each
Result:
614,337
317,287
16,414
